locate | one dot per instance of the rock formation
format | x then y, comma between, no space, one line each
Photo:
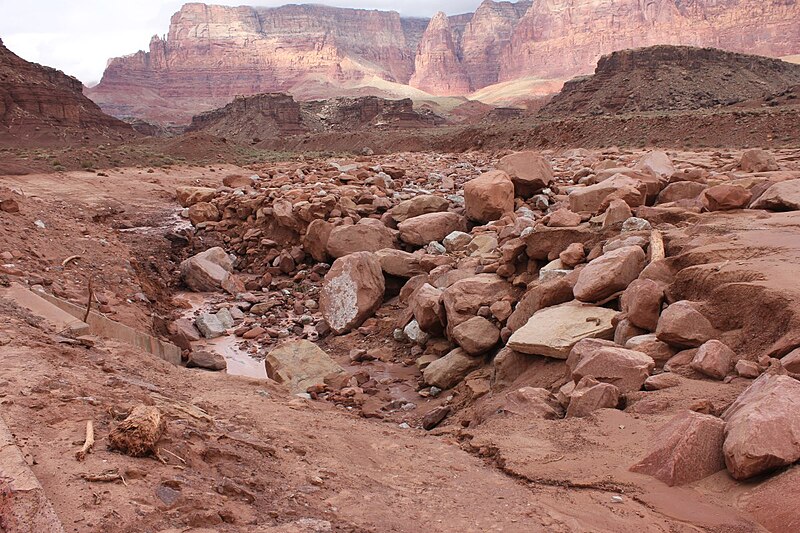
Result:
270,115
213,53
34,96
670,78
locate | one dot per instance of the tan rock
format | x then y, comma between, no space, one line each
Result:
681,190
688,448
589,395
489,196
682,325
664,380
625,369
573,256
591,198
726,197
608,274
528,402
642,301
447,371
757,160
203,212
714,359
399,263
299,365
422,229
207,271
476,336
660,351
617,212
369,235
351,291
428,309
747,369
791,361
553,331
658,163
563,218
762,427
463,298
316,238
583,348
529,171
782,196
188,196
419,205
538,297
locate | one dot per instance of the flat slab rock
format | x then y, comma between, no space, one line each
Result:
553,331
300,365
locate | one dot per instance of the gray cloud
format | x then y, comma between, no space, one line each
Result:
79,36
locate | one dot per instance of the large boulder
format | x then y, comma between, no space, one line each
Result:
657,163
476,336
625,369
419,205
188,196
684,326
686,449
315,241
553,331
610,273
399,263
203,212
762,427
428,309
210,271
489,196
591,199
529,171
681,190
463,298
783,196
714,359
757,160
447,371
726,197
539,296
369,235
299,365
641,302
422,229
352,291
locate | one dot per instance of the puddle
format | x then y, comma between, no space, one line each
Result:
240,363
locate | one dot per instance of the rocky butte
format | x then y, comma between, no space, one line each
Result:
213,53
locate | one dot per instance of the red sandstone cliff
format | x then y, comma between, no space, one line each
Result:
35,98
213,53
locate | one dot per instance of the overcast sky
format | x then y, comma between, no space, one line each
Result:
79,36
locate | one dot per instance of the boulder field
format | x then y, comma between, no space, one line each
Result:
550,289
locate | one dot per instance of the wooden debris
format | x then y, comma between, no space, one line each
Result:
138,434
88,444
657,252
69,259
105,476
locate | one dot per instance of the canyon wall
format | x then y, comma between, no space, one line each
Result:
213,53
34,97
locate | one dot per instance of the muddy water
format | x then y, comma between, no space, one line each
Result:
240,362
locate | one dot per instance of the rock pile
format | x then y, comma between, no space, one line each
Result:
493,268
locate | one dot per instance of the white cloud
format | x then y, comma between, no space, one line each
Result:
79,36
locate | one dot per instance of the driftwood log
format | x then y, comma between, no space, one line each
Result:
138,434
